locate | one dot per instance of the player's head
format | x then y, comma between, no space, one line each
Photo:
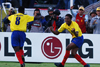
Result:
68,18
81,10
21,10
98,11
36,12
50,10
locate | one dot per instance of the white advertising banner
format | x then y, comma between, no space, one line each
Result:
47,47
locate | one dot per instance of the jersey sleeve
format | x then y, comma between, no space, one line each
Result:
10,17
61,29
30,18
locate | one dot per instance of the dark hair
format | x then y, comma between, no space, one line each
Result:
21,9
69,15
36,10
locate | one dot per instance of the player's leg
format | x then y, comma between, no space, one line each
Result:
78,42
67,54
78,58
22,54
75,55
15,45
18,54
69,47
22,39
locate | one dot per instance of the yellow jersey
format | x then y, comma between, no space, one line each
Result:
69,28
18,22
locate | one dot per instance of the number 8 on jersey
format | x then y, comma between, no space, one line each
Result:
17,21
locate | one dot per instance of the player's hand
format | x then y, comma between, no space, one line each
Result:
71,7
73,30
94,22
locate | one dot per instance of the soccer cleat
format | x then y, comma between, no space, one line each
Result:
60,65
57,64
23,58
23,65
87,65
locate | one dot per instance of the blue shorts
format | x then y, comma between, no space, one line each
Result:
18,38
78,41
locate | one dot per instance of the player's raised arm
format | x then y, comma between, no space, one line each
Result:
55,32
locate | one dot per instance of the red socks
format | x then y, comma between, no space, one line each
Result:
76,56
18,54
65,57
79,59
22,52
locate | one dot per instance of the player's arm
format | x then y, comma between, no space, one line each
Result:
61,29
30,18
52,30
10,17
75,32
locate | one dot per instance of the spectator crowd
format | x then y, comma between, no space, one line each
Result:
43,23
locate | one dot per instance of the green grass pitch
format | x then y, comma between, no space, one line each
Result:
15,64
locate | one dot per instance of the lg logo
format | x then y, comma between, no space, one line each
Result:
51,47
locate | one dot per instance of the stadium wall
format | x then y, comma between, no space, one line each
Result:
47,47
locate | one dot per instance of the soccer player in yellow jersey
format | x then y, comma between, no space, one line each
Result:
18,26
76,43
